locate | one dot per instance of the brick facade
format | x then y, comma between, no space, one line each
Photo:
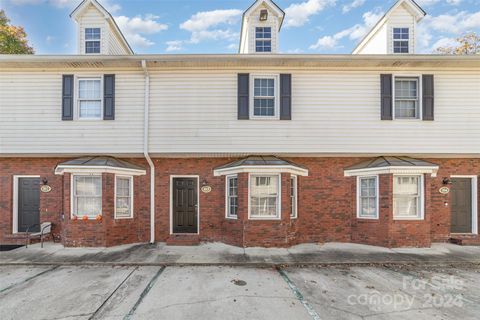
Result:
326,206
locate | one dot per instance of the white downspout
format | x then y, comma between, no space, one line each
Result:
145,150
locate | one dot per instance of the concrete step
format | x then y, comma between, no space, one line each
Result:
466,240
183,240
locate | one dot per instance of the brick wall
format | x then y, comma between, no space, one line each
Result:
326,206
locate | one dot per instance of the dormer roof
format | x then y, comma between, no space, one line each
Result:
417,12
271,5
77,12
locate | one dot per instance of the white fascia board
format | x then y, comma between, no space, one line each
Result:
60,170
261,169
432,170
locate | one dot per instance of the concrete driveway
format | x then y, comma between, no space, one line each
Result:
221,292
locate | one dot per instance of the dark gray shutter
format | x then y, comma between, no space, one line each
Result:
427,97
386,99
67,97
285,97
109,97
243,96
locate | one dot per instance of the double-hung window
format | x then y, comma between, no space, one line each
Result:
406,98
400,40
232,196
92,40
407,197
293,196
264,196
367,197
123,197
87,196
89,98
264,97
263,39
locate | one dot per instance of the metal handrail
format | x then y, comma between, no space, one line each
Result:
41,233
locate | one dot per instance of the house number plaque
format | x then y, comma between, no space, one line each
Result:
206,189
444,190
45,188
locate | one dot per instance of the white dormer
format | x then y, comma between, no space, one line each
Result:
395,33
260,26
97,32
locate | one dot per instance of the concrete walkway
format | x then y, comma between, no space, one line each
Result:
213,254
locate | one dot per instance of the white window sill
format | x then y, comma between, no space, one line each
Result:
408,218
264,218
264,118
367,218
231,217
123,218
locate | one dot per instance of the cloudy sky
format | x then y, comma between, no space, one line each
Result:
212,26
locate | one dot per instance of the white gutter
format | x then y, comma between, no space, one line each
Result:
145,151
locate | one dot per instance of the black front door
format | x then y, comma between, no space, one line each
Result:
461,205
185,205
28,204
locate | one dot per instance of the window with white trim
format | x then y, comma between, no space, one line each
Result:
407,197
87,196
89,98
264,196
92,40
232,196
401,38
264,97
367,197
263,39
123,197
293,196
406,98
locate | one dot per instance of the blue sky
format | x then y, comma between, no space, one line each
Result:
212,26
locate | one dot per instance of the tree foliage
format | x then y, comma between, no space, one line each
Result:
13,39
467,44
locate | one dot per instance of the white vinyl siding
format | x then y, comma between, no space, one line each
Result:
367,197
87,196
23,116
271,22
402,18
408,197
231,196
326,119
264,196
123,197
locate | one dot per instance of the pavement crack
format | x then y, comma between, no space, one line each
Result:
222,298
28,279
111,294
144,293
296,292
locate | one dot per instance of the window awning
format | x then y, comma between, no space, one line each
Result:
394,165
260,164
100,164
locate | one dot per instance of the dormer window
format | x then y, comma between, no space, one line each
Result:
401,38
92,40
263,39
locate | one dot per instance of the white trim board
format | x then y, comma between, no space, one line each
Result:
15,200
172,176
474,180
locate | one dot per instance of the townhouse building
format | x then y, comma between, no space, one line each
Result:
259,148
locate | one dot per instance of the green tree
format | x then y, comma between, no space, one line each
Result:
13,39
467,44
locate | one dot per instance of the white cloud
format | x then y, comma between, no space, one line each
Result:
426,3
49,39
355,32
174,45
233,46
445,42
354,4
212,25
454,2
297,14
111,7
436,28
135,28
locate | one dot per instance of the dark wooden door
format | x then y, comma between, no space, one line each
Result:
461,205
185,205
28,204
